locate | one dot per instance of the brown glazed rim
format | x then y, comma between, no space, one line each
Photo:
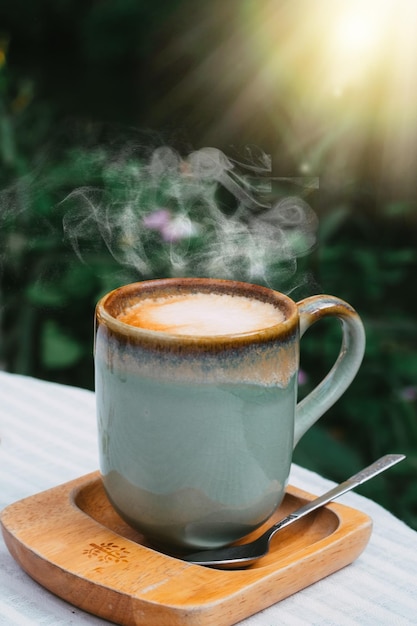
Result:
117,300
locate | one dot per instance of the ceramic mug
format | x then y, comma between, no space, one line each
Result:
197,424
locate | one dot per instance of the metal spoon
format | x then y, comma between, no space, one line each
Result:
234,557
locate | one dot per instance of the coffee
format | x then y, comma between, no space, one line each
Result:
202,314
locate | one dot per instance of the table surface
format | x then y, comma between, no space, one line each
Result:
48,437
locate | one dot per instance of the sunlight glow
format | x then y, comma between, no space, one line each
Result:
356,33
357,38
331,83
350,66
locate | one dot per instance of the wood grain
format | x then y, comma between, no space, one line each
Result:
72,542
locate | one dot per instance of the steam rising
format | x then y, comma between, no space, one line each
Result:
203,214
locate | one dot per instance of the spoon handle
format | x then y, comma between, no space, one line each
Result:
357,479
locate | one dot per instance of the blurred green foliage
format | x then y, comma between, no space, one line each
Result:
366,250
369,260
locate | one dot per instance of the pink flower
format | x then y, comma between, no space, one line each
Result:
302,377
170,228
178,228
408,394
157,220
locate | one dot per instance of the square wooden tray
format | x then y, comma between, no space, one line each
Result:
70,540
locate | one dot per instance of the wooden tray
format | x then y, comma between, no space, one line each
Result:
71,541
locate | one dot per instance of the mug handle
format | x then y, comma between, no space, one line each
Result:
325,394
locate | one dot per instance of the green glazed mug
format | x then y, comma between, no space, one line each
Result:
196,388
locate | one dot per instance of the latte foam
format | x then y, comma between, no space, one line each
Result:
202,314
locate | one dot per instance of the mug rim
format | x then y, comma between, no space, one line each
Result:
280,330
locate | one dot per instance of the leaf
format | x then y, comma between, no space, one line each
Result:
320,452
332,223
42,294
59,350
